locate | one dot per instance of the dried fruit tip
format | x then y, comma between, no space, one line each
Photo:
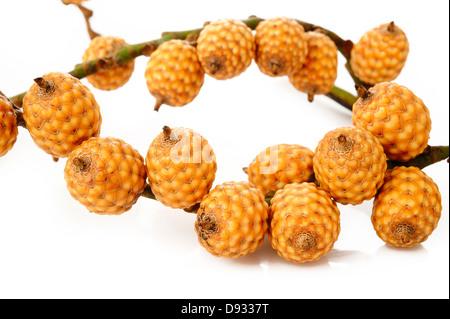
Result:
304,241
167,131
363,92
44,84
207,225
404,232
82,163
391,27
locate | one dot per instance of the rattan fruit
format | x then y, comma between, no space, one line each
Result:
281,46
407,207
319,72
8,125
106,175
279,165
397,117
349,162
60,113
173,74
232,220
304,222
225,48
110,78
380,54
181,167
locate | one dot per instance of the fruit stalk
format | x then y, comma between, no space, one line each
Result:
431,155
133,51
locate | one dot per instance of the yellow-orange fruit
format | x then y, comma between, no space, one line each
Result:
181,167
380,54
304,222
106,175
281,46
407,207
225,48
319,72
279,165
232,220
349,163
110,78
60,113
173,74
8,126
396,117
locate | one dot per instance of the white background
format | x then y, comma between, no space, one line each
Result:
51,247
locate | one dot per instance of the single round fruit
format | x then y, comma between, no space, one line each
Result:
349,163
304,222
8,125
181,167
106,175
225,48
110,78
232,220
279,165
407,207
281,46
319,72
60,113
396,117
174,75
380,54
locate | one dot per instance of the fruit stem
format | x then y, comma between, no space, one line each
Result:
431,155
342,97
132,51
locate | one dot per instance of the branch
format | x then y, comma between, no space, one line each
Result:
133,51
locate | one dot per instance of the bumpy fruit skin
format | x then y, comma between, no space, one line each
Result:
396,117
111,78
380,54
232,220
304,222
181,167
8,126
350,164
279,165
173,74
225,48
319,72
407,207
281,46
106,175
60,113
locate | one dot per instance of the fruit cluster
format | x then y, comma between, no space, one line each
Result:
292,193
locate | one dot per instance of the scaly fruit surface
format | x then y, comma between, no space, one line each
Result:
173,74
60,113
110,78
225,48
281,46
181,167
396,117
380,54
232,220
407,207
319,72
349,162
279,165
106,175
304,222
8,126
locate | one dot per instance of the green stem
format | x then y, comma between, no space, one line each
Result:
342,97
133,51
431,155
